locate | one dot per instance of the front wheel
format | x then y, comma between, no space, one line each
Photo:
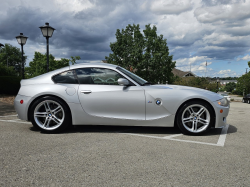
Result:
195,118
243,101
50,114
248,101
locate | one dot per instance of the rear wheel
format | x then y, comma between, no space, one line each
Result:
248,101
243,101
50,114
195,118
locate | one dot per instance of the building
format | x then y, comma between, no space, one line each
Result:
224,82
180,73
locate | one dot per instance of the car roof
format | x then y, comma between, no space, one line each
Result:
100,65
46,78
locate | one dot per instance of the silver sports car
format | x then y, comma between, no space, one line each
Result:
106,94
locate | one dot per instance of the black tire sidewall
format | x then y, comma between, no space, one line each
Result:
179,117
67,119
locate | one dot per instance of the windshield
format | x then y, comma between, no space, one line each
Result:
224,94
136,78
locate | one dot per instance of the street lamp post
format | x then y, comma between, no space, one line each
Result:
217,85
21,39
47,32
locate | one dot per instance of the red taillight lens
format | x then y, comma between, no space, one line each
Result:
21,101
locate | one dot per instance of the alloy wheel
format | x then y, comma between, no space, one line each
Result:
49,115
196,118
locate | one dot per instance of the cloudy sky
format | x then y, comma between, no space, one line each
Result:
216,31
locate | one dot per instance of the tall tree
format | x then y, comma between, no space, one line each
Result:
243,84
11,55
38,65
230,86
146,54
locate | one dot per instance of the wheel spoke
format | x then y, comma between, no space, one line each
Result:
41,114
49,120
186,120
56,119
46,120
56,110
201,111
46,105
193,126
191,111
203,121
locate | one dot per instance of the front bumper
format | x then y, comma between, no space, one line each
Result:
221,113
22,109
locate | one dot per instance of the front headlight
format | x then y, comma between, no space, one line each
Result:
223,102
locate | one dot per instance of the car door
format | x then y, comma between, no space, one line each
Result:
101,96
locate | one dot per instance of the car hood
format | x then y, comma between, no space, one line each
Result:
196,91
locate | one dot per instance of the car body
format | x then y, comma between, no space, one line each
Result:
106,94
226,96
246,99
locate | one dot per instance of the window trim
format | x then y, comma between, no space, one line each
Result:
131,83
63,72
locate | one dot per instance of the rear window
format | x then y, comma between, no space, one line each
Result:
66,77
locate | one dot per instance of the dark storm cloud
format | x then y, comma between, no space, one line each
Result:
222,53
190,38
18,20
87,33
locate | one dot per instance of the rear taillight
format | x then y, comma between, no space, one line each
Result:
21,101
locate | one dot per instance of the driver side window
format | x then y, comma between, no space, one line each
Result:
99,76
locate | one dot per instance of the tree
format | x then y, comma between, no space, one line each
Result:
146,54
39,64
7,71
230,86
198,82
73,59
243,84
11,55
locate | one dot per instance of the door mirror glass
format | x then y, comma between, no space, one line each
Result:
123,82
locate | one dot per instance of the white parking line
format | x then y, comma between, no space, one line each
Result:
7,116
220,142
15,121
172,136
223,136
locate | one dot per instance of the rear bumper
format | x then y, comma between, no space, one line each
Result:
22,109
221,114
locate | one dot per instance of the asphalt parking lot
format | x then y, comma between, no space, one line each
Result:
125,156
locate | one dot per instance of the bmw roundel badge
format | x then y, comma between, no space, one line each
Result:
158,102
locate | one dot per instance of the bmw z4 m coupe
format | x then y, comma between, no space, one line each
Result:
106,94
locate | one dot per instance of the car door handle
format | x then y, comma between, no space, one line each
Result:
86,91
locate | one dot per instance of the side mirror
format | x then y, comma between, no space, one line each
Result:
123,82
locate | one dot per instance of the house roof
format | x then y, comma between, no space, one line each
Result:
180,73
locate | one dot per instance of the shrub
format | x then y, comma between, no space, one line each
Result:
9,85
7,71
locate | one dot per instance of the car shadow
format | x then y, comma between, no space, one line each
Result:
217,131
134,129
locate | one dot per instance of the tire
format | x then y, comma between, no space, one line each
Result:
248,101
195,118
50,114
243,101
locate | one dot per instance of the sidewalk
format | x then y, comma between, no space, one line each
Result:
236,98
6,109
